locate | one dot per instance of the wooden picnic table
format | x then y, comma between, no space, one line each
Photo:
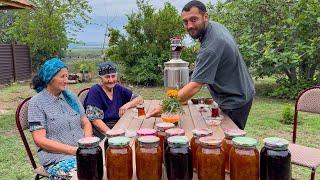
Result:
191,119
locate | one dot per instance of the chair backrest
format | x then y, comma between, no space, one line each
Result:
22,124
83,94
307,101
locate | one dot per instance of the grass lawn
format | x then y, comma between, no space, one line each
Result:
263,122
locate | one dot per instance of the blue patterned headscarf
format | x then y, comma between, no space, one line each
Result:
47,71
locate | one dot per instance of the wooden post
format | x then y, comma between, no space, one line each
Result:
14,62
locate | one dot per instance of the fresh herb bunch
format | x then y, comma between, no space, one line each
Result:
171,103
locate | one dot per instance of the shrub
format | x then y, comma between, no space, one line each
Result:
287,114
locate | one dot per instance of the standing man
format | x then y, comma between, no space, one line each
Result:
219,64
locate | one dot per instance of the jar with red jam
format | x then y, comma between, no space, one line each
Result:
227,143
119,159
275,159
194,143
89,159
178,158
244,159
161,128
210,159
149,158
112,133
144,132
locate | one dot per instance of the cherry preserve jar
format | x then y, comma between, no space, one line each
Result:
161,128
178,159
89,159
244,159
210,159
275,159
149,158
194,143
119,159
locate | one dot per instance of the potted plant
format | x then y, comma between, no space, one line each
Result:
171,107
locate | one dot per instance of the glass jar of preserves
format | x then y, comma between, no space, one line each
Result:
89,159
119,159
194,143
161,128
227,143
144,132
210,159
149,158
172,132
275,159
112,133
244,159
178,158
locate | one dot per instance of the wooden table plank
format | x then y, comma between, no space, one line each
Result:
149,123
187,122
198,119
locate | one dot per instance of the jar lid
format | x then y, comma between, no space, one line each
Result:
119,141
88,142
179,140
164,126
202,132
210,140
148,139
234,132
115,132
244,141
174,132
146,131
275,142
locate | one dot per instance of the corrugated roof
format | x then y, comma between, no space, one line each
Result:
15,4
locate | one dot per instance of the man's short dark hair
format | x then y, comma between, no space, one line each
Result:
202,8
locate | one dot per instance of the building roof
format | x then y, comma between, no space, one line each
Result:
15,4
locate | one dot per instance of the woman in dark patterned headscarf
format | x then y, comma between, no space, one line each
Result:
56,120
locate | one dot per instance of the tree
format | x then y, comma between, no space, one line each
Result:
146,45
6,20
50,27
276,38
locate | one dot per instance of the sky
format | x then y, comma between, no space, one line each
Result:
112,13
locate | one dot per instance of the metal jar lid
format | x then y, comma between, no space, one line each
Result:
148,139
234,132
276,143
244,141
211,141
115,132
199,132
164,126
174,132
119,141
178,140
88,142
146,132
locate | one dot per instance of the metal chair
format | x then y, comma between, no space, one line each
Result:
83,94
22,125
307,101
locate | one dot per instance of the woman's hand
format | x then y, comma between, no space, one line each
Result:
123,109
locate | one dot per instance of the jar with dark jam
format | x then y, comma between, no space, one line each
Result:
161,128
144,132
119,159
149,158
227,143
275,159
178,159
89,159
210,159
169,133
194,143
112,133
244,159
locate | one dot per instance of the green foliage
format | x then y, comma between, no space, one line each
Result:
145,47
50,27
84,66
287,114
6,20
275,37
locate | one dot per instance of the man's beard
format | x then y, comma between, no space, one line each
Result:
200,33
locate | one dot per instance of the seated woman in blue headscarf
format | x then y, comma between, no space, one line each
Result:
108,101
56,120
